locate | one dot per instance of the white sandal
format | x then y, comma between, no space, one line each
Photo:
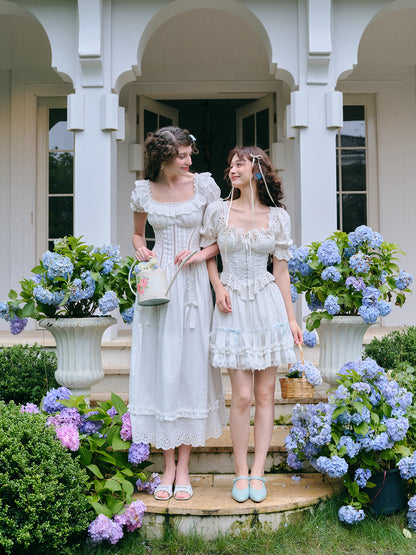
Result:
183,489
163,487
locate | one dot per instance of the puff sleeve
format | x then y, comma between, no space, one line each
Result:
209,229
283,236
139,196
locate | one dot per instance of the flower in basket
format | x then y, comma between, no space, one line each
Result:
305,369
349,274
362,430
75,280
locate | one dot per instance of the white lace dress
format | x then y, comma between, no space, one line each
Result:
176,397
256,334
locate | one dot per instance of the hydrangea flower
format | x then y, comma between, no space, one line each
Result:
403,280
330,273
57,265
331,305
138,452
362,476
335,466
353,447
30,408
368,313
17,325
356,283
90,427
104,529
362,234
360,263
309,338
4,311
328,253
108,302
68,436
125,432
384,308
315,303
150,485
128,315
350,515
293,292
50,402
69,416
397,428
132,517
407,467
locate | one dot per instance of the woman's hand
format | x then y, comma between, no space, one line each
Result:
223,299
143,254
296,332
180,257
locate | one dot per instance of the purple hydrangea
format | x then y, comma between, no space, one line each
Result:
356,283
328,253
90,427
50,402
69,416
309,338
17,325
68,436
112,412
103,528
350,515
138,452
30,408
125,432
293,461
132,517
150,485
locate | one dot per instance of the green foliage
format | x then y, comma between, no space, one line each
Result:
43,507
397,347
105,456
26,373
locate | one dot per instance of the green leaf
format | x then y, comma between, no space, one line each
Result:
12,295
118,404
115,505
362,497
112,485
85,456
338,411
95,470
127,487
119,445
361,429
101,509
358,406
28,309
38,270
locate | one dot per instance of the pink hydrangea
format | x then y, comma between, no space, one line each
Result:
29,407
68,436
125,432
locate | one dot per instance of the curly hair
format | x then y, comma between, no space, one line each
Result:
273,179
162,147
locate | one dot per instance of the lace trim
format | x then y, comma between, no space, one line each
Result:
252,361
183,413
250,290
170,442
143,198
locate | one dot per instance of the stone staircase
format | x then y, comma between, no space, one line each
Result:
212,510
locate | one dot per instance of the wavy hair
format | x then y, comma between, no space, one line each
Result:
162,147
273,179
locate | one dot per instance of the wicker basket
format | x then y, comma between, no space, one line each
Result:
296,388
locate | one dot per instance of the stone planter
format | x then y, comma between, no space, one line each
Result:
340,341
78,350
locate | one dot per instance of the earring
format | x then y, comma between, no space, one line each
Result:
162,167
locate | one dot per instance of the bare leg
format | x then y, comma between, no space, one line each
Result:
264,387
169,469
182,470
242,395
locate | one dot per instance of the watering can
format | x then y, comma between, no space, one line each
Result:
152,286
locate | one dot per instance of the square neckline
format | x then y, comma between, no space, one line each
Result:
176,201
250,231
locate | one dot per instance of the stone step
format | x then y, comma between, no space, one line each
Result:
212,510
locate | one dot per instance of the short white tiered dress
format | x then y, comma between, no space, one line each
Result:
176,397
256,334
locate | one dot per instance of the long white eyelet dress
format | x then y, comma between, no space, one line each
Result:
176,397
256,334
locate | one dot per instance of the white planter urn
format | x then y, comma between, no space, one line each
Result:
78,350
340,341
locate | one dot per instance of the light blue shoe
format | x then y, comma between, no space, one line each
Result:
258,495
240,495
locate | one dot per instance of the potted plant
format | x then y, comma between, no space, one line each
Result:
349,281
71,293
361,435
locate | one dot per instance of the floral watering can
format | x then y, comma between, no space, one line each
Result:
152,286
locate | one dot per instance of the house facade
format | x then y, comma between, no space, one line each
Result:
327,87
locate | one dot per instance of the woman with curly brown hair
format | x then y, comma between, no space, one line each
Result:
176,397
254,325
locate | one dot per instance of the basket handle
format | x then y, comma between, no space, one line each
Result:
301,353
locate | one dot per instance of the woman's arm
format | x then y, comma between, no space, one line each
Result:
139,241
222,296
282,278
201,256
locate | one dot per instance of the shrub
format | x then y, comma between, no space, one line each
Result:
26,373
393,349
43,506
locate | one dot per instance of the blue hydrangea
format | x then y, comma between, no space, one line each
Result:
341,392
328,253
350,515
128,315
108,302
330,273
361,386
397,428
407,467
4,311
43,295
90,427
309,338
312,374
349,251
296,438
368,313
57,265
371,296
331,305
376,240
411,520
360,417
353,448
403,280
356,283
335,466
315,303
293,461
361,235
50,402
362,476
359,263
381,442
138,452
369,369
384,308
304,269
412,503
